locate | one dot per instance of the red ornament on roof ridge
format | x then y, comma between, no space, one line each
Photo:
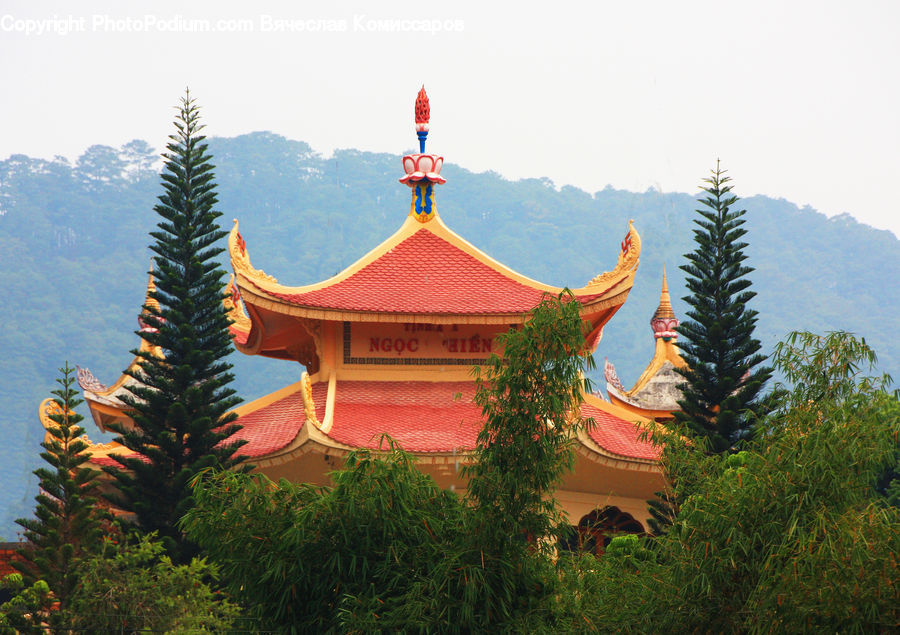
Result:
423,171
423,109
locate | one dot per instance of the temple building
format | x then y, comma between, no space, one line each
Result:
387,346
656,393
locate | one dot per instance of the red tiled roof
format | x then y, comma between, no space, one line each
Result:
425,417
106,460
274,426
421,416
618,435
266,430
424,274
8,553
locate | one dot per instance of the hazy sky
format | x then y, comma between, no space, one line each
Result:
800,100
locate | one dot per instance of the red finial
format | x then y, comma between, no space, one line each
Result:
423,110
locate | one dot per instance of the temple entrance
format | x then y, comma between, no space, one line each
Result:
595,530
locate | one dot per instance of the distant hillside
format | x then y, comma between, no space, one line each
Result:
73,259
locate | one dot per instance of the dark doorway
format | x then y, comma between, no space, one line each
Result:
595,530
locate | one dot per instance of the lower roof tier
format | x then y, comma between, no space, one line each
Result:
423,417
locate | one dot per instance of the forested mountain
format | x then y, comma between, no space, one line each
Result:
74,257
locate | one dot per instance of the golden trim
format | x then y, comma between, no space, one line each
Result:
235,310
664,352
316,438
240,257
329,403
629,258
256,334
309,407
608,457
650,413
266,400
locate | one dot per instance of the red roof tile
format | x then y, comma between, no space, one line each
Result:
421,416
425,417
618,435
8,553
274,426
424,274
107,460
266,430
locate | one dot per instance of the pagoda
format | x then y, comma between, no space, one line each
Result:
387,346
658,389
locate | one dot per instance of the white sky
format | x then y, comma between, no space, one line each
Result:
800,100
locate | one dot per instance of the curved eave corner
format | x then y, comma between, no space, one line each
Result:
241,265
241,324
624,271
103,401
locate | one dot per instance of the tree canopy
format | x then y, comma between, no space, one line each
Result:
724,372
67,523
789,534
384,548
181,405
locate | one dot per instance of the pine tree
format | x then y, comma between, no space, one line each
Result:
724,371
180,407
67,525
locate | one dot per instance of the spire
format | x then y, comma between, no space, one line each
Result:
664,310
423,171
664,321
151,287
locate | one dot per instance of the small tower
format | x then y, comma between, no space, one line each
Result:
656,393
664,321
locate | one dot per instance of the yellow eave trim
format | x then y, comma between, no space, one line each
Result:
665,352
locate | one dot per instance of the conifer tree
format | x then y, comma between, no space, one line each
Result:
67,525
180,407
724,371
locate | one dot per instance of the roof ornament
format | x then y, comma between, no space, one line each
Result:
240,258
423,115
609,372
664,321
234,307
423,171
87,381
629,257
